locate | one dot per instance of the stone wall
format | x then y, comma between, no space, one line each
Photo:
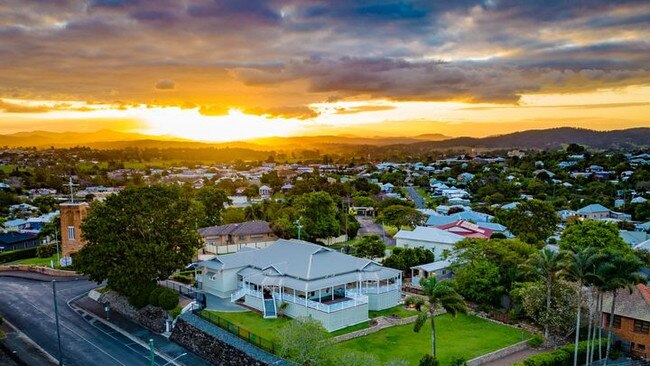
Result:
498,354
149,316
217,345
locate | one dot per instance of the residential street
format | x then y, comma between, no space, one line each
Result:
416,197
28,305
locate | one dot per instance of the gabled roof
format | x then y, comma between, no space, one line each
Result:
467,229
635,305
297,259
593,208
242,228
434,266
429,234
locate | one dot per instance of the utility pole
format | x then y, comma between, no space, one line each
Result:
299,226
56,319
71,188
56,242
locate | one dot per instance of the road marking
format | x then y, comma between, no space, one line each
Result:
75,333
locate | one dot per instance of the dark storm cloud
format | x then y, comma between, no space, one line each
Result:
279,56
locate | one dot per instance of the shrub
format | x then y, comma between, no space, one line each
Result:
140,299
154,295
428,360
416,301
536,341
175,312
15,255
183,279
559,357
458,361
168,299
45,250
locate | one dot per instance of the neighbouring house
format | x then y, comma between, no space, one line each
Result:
72,214
631,326
599,212
265,191
633,238
433,239
14,241
231,238
314,281
467,229
15,224
441,270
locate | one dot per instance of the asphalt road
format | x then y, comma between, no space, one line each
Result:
369,227
29,306
416,197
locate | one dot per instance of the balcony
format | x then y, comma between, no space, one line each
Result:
351,299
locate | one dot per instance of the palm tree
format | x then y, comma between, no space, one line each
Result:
624,272
545,265
440,294
580,267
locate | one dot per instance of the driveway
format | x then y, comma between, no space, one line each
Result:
28,305
369,227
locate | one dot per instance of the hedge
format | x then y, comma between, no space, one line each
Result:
560,357
15,255
168,299
45,250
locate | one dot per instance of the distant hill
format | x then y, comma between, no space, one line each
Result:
536,139
549,139
68,139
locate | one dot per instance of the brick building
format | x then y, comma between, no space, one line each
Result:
631,320
71,216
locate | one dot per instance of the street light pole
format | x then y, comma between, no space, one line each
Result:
56,319
152,353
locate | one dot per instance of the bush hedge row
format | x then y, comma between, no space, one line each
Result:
15,255
163,297
559,357
45,250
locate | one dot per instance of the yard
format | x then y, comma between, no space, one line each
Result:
398,311
268,328
37,261
464,336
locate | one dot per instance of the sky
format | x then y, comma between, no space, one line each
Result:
221,70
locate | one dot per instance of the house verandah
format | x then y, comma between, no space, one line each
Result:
332,287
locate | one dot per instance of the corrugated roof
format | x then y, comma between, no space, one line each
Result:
299,260
242,228
429,234
635,305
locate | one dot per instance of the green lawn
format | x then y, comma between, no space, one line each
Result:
350,329
398,311
44,262
464,336
253,322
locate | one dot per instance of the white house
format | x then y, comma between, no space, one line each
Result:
314,281
433,239
265,191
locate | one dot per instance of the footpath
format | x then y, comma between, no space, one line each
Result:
88,307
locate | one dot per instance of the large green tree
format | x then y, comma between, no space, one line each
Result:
398,215
370,246
213,200
591,234
319,216
545,266
137,237
531,221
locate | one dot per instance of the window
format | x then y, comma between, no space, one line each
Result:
641,327
70,232
617,321
640,347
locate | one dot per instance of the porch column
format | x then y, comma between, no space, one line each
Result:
332,290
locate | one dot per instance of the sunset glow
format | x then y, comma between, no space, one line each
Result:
218,71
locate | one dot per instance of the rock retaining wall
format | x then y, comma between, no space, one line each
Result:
149,316
217,345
